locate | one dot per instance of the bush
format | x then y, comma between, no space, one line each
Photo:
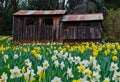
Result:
111,25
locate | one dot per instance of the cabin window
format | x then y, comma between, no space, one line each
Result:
48,22
90,23
30,22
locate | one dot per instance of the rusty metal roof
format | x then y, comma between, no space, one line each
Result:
40,12
83,17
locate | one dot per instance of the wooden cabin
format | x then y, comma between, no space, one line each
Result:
82,27
37,26
55,26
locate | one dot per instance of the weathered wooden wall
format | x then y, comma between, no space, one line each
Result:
23,33
57,32
79,31
37,32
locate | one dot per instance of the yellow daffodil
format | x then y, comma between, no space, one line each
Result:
89,72
2,48
107,52
114,58
33,52
87,46
68,46
81,68
99,48
71,49
23,70
36,55
25,50
36,48
76,80
54,47
95,53
108,46
64,49
118,47
114,52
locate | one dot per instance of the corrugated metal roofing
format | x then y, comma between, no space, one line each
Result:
40,12
83,17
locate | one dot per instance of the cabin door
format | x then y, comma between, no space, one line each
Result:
48,29
31,29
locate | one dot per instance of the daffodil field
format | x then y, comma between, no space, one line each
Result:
85,62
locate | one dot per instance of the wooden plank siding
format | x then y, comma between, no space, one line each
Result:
56,32
37,32
80,31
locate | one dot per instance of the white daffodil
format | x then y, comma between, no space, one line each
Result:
4,77
94,63
69,54
77,60
113,66
40,57
60,54
48,43
69,73
54,57
83,80
45,64
91,80
62,65
40,71
116,76
28,63
56,79
15,56
29,75
87,73
65,55
56,63
92,59
97,68
96,76
85,63
55,52
70,59
107,79
15,72
5,57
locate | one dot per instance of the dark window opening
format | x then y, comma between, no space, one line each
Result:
90,23
29,22
48,22
86,23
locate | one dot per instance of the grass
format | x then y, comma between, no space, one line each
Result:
5,38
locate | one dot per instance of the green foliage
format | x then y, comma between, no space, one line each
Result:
112,4
111,25
6,25
42,4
